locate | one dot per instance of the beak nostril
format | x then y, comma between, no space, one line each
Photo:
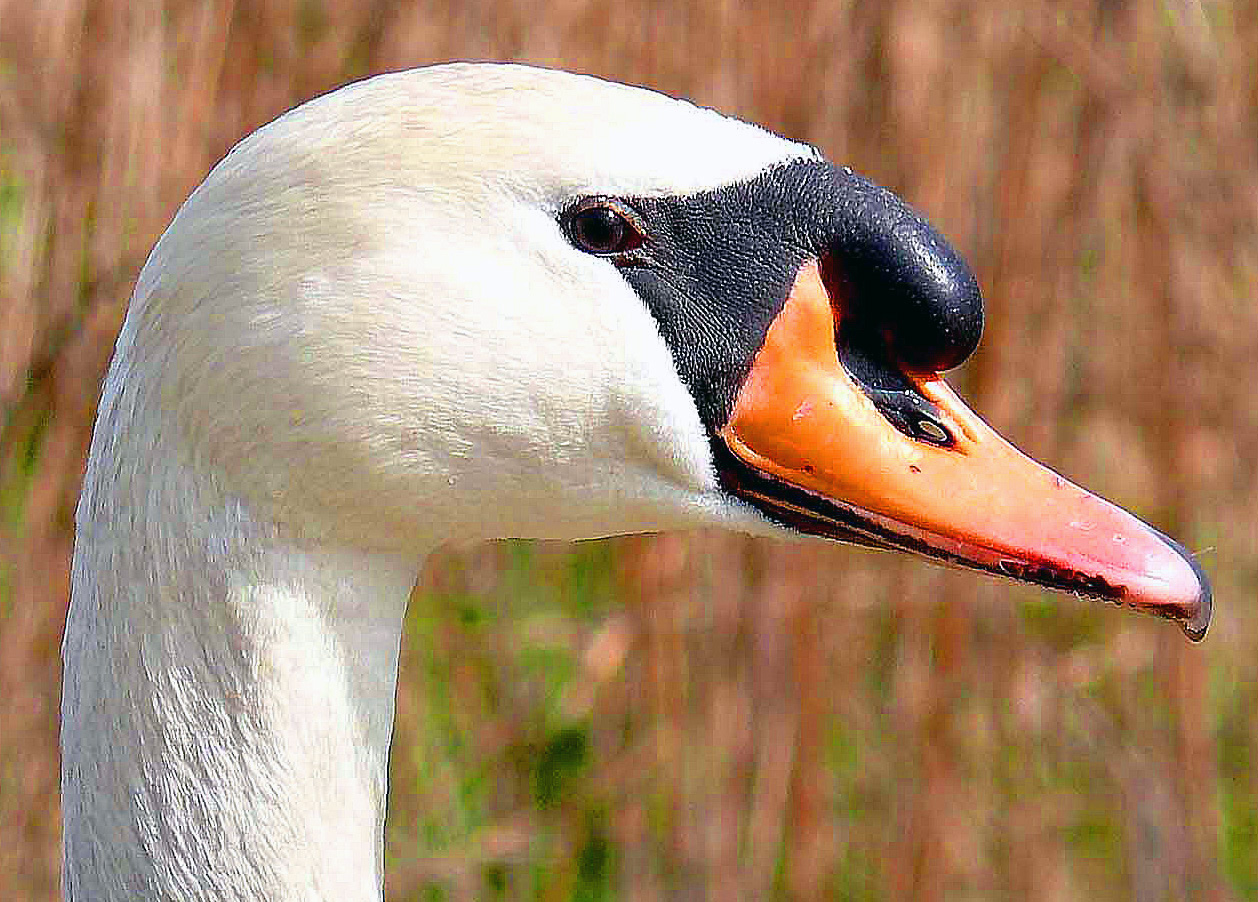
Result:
932,432
865,352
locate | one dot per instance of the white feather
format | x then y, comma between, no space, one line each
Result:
363,335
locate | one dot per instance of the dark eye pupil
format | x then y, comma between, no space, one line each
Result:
602,230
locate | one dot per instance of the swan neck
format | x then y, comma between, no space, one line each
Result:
228,707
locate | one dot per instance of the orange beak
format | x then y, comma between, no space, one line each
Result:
811,449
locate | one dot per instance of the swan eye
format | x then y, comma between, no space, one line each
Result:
598,227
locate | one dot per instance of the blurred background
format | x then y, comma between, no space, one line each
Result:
704,717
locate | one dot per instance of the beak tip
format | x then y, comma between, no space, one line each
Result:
1195,627
1185,592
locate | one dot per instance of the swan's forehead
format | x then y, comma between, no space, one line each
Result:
536,131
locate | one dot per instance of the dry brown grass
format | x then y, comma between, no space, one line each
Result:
762,721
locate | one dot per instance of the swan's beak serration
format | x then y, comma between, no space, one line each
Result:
809,444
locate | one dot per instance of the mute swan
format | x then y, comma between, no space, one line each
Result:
478,301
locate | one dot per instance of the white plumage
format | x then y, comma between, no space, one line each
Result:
353,341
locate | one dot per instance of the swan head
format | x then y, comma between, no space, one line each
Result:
485,301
